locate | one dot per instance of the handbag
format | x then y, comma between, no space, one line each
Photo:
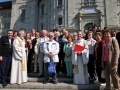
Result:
103,74
51,67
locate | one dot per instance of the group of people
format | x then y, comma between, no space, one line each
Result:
101,52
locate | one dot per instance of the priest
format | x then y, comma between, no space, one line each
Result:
19,68
80,60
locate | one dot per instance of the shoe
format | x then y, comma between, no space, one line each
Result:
60,72
41,76
45,82
35,71
91,81
67,76
4,84
54,82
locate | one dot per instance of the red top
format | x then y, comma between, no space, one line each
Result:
106,52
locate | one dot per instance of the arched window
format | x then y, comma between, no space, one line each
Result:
59,2
60,21
23,14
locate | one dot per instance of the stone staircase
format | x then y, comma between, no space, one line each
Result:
35,83
64,83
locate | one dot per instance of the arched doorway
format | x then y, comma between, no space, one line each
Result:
88,25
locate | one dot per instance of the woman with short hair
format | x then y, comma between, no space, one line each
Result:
98,55
68,56
36,44
110,55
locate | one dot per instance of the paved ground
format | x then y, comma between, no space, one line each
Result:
50,86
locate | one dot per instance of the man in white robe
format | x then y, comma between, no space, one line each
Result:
80,61
19,67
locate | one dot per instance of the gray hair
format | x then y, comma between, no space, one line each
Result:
81,32
75,33
44,31
19,33
51,33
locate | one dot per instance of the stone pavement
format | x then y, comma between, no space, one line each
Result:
50,86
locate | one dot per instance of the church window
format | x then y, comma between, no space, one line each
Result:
60,21
59,2
42,9
4,15
88,2
23,14
5,25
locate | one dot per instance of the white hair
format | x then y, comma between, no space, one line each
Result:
51,33
21,31
44,31
75,33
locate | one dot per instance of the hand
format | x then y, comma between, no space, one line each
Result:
1,58
115,63
51,55
37,56
29,41
26,49
66,54
79,52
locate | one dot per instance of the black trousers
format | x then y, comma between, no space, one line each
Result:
61,64
5,66
91,66
53,75
99,71
30,57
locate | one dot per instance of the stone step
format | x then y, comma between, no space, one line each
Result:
59,79
36,75
50,86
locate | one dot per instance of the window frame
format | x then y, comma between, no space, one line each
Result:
42,9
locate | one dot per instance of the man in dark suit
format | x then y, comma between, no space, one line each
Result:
61,54
57,39
6,48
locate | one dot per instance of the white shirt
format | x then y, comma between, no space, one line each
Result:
42,41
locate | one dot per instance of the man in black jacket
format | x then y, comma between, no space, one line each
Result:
61,54
6,46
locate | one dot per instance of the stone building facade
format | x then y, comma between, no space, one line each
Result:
71,14
5,17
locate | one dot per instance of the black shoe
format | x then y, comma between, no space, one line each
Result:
41,76
45,82
4,84
54,82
